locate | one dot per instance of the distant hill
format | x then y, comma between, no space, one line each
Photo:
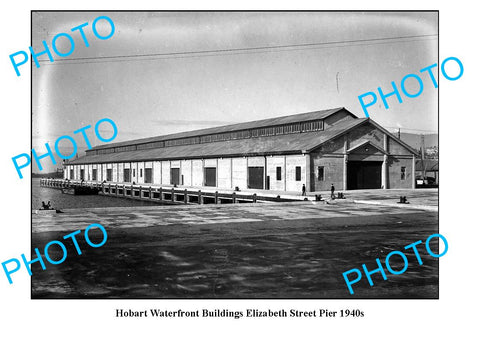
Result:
414,140
47,175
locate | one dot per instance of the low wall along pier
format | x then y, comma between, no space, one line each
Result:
164,195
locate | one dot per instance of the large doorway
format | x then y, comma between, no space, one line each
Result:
175,176
148,175
211,177
126,175
255,177
364,175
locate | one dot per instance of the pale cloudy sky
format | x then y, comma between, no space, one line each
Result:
156,95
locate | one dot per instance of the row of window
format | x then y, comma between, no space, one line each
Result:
109,175
175,174
252,133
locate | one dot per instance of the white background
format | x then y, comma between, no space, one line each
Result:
454,314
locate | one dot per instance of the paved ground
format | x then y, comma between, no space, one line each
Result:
141,217
281,250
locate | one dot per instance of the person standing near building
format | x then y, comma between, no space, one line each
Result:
304,190
332,190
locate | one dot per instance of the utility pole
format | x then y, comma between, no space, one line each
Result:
422,149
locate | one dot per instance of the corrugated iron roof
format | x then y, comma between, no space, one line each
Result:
300,117
296,143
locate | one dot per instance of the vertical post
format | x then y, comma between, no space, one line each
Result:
200,199
185,196
385,163
116,189
216,173
413,172
246,179
216,197
173,195
161,194
124,191
140,193
385,172
264,172
308,173
234,197
345,162
150,191
231,172
131,191
109,189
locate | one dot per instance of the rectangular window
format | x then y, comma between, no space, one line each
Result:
320,173
298,173
71,174
141,172
279,173
133,172
94,174
82,174
402,173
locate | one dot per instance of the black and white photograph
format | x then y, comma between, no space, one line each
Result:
236,155
226,170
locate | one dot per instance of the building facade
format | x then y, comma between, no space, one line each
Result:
317,149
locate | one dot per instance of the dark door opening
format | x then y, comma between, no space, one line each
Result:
82,174
211,177
364,175
109,175
126,175
175,176
148,175
255,177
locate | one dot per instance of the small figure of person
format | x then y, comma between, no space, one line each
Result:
304,190
49,206
332,190
44,206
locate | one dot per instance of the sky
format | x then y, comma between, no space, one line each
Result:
155,95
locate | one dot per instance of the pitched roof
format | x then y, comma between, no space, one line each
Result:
296,143
300,117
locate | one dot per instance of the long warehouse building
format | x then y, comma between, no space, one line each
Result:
317,149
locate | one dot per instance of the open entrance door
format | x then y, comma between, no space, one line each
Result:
364,175
255,177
